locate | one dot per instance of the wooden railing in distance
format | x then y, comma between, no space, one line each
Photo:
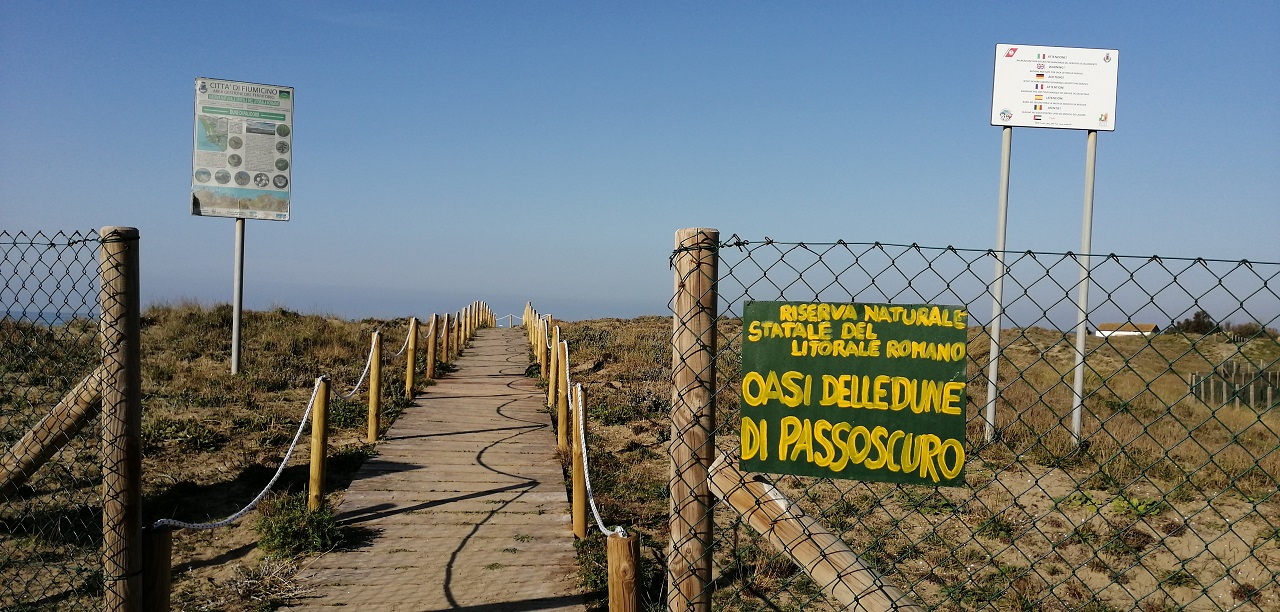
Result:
552,356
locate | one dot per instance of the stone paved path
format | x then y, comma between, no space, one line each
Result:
466,497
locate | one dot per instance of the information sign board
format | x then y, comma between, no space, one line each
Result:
854,390
242,157
1055,87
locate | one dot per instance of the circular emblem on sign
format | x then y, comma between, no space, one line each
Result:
280,181
261,179
1107,58
1006,114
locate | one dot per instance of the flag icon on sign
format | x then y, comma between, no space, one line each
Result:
1039,107
1039,75
1039,97
1035,117
1039,85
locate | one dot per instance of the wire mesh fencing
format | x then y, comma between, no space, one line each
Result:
51,471
1162,497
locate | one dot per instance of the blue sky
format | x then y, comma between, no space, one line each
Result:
548,151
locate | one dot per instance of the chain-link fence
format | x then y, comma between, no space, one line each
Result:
50,511
1165,500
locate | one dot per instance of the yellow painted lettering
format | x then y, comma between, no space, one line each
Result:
929,398
951,397
858,455
826,453
790,432
888,456
878,435
881,390
796,392
903,392
838,464
930,445
750,438
752,398
910,454
804,442
952,469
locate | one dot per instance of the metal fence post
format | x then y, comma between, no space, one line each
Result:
693,375
121,419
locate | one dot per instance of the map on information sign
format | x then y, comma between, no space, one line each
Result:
1055,87
242,156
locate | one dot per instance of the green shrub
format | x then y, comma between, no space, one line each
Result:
286,528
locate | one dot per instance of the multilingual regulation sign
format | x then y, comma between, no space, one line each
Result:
242,157
852,390
1055,87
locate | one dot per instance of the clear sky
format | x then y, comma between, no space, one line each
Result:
548,151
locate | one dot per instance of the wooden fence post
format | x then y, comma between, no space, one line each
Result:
458,340
624,566
562,393
822,554
319,440
693,392
445,354
544,353
432,341
119,335
411,358
579,473
157,568
375,387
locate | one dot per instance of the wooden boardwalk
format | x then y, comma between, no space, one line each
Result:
465,498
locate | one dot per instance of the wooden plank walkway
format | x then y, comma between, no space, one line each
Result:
466,497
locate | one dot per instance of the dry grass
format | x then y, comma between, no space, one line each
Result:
1170,503
210,440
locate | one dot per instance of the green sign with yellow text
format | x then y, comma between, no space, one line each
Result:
857,391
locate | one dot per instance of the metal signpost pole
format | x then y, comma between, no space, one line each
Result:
241,164
237,297
1091,154
1065,88
997,299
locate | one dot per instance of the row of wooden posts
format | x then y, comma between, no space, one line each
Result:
552,356
1236,386
446,335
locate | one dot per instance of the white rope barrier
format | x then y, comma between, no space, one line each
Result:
510,320
581,427
367,362
586,471
253,504
406,343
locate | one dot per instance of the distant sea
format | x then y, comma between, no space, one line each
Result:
46,317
